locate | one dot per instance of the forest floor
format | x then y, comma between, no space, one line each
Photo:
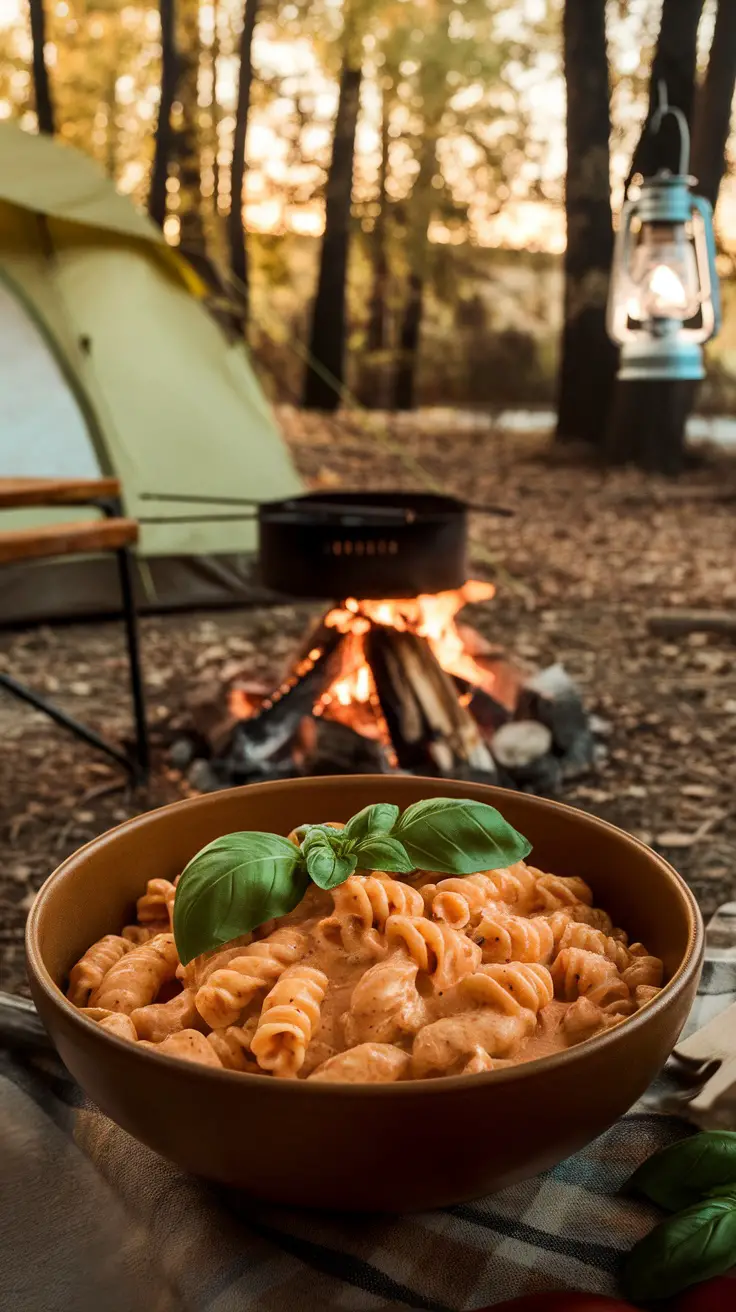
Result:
588,555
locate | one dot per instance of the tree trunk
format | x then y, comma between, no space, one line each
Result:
235,223
111,108
648,424
675,63
374,380
215,57
587,368
191,225
420,203
713,106
41,84
648,419
376,334
409,335
327,339
164,140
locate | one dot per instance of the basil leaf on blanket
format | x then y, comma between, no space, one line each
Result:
458,837
233,885
330,861
679,1175
382,852
685,1249
379,818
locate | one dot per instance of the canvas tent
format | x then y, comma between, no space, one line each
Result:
111,364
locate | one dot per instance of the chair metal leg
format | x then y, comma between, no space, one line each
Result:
139,764
142,747
89,736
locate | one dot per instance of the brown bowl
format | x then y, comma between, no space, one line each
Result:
393,1147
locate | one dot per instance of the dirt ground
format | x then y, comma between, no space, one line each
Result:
586,558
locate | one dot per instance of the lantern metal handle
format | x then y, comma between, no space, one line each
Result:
617,315
707,250
666,110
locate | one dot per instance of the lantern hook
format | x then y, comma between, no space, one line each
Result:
665,110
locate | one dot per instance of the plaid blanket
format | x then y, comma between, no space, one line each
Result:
90,1219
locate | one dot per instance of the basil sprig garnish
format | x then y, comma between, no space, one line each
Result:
241,880
232,885
696,1179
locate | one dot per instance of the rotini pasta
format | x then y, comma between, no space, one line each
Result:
642,971
460,901
232,1046
190,1045
504,937
157,903
440,952
447,1046
385,1004
229,989
112,1021
577,972
91,969
554,891
136,978
362,906
160,1019
137,934
289,1017
510,988
380,979
367,1063
577,935
200,968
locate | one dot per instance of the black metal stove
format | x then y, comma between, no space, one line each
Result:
371,545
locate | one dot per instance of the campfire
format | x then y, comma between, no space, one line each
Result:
394,682
400,673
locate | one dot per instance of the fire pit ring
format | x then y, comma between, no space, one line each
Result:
375,545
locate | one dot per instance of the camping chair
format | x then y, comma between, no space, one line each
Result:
115,534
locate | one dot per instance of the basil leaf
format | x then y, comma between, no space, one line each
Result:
329,863
694,1245
379,818
303,830
458,837
233,885
679,1175
382,852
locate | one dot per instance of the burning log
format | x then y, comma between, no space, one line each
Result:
261,744
325,746
381,684
428,724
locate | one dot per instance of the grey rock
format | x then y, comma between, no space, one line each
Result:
554,699
202,777
520,743
181,753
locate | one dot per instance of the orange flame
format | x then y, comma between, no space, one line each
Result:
431,615
352,695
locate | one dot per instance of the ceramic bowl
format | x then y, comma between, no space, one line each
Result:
392,1147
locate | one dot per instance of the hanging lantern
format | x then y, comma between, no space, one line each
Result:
664,301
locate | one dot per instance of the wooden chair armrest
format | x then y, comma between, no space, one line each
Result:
16,492
66,539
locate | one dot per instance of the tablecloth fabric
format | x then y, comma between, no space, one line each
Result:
92,1220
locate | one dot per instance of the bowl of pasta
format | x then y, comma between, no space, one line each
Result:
372,993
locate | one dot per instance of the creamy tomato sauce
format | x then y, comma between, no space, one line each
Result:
381,979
